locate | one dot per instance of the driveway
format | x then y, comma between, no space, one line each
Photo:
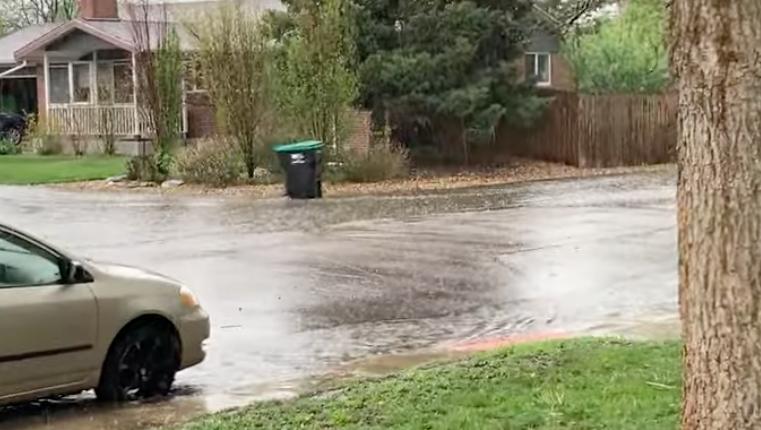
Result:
300,289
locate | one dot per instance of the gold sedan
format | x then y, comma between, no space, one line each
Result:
67,325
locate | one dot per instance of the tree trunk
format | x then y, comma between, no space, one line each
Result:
716,56
248,159
464,141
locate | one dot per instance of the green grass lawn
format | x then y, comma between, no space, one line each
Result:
573,384
35,169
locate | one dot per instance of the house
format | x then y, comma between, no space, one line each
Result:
76,73
18,82
544,63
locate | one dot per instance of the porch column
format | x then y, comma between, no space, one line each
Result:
184,124
134,95
70,111
94,81
46,75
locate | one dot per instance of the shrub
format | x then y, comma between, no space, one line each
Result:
108,126
143,168
78,145
334,172
47,145
212,162
7,147
43,137
383,161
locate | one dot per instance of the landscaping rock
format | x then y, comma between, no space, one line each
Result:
118,178
141,184
172,183
262,174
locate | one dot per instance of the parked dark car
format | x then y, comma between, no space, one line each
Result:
12,127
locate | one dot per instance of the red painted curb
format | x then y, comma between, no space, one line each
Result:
502,342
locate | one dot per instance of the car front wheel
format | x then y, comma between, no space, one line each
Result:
140,363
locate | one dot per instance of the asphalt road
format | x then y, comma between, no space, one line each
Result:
299,289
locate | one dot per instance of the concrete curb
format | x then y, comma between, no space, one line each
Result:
488,344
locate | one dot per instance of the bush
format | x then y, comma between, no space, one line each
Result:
265,154
7,147
334,172
43,137
108,137
143,168
382,162
47,145
211,162
78,145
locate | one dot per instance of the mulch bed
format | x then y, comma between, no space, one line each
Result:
423,181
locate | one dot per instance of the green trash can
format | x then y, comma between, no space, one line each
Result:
302,166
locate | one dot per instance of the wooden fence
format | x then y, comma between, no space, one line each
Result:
599,131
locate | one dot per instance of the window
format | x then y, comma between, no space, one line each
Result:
22,264
123,83
113,80
82,83
194,76
114,83
105,75
538,68
59,84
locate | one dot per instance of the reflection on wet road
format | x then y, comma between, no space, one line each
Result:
297,289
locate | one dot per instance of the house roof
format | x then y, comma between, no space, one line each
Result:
122,32
19,45
178,11
13,41
110,31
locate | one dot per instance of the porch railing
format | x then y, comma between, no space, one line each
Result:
95,120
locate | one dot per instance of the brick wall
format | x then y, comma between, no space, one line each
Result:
200,115
201,123
562,74
360,135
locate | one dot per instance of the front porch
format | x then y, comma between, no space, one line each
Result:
93,120
89,90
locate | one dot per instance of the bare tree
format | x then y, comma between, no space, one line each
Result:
563,15
76,133
236,63
22,13
159,72
715,51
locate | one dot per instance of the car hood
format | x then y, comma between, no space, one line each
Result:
130,272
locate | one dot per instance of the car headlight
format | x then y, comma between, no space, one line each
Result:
188,299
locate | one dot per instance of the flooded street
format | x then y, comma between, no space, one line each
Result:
297,290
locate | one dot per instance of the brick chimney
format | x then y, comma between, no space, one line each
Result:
98,9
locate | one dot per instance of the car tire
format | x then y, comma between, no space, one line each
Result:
141,363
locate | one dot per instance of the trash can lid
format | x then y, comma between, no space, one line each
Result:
307,145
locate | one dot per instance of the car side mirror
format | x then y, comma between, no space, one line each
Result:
75,273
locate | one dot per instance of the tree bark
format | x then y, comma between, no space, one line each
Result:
464,141
716,57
